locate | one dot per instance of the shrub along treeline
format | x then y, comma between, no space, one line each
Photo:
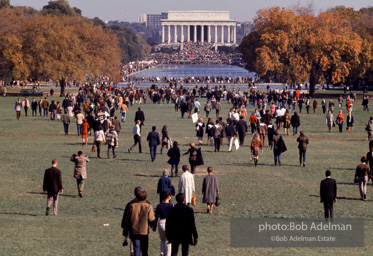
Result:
58,43
293,46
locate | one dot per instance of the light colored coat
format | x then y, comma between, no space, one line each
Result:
80,165
186,186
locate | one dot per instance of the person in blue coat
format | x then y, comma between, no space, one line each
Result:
164,184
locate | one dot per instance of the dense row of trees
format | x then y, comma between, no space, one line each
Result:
293,46
58,43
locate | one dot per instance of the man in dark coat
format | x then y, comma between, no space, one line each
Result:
154,141
140,116
328,194
180,226
242,129
53,185
183,108
189,107
231,133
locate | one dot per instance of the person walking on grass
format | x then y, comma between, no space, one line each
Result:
199,130
165,137
85,129
99,139
210,189
52,184
161,214
136,137
329,121
80,170
154,141
139,218
186,185
328,194
350,122
66,122
339,121
111,139
369,128
362,177
302,146
18,108
164,184
278,147
180,227
174,154
256,146
314,106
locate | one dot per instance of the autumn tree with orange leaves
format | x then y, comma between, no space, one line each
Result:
60,48
297,47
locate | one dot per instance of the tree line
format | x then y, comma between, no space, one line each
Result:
294,46
58,43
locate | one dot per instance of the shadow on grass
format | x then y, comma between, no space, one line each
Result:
135,160
347,183
42,193
344,169
342,198
149,176
19,213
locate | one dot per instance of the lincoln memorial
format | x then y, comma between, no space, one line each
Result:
201,26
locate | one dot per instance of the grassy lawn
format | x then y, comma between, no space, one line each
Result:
289,191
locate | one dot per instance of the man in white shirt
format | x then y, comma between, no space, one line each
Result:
197,105
136,136
26,105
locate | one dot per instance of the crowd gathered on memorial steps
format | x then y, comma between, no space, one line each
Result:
260,119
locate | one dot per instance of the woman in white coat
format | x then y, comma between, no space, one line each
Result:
186,184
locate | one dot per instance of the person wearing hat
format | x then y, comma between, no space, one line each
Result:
362,176
164,184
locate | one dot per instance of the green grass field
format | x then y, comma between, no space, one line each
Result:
289,191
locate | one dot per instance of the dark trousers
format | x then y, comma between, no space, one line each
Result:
302,155
45,111
184,249
137,139
253,128
66,128
241,136
328,208
153,152
40,111
140,243
34,112
217,144
323,109
26,108
113,150
340,126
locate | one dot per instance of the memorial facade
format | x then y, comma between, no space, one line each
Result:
198,26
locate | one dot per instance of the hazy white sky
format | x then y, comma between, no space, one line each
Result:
241,10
